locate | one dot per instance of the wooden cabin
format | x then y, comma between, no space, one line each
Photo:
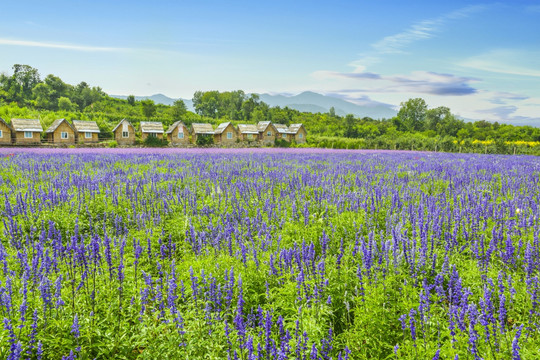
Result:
298,133
282,132
225,133
5,133
86,131
199,129
267,132
151,129
60,132
178,134
26,131
124,133
248,132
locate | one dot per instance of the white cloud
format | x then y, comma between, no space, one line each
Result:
419,31
506,61
74,47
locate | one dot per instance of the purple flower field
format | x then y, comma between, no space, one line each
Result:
268,254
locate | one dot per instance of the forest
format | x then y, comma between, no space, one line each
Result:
24,93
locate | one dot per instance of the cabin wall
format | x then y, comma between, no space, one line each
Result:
120,140
21,140
175,140
302,139
82,139
6,134
268,139
56,136
145,135
222,138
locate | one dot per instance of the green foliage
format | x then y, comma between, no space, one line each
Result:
148,108
25,94
152,141
204,140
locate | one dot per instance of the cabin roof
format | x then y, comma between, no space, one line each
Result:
221,127
122,121
202,128
282,129
56,123
155,127
174,126
293,128
262,125
86,126
26,125
248,129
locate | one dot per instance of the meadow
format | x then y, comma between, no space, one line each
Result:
268,254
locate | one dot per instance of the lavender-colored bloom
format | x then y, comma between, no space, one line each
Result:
515,344
75,326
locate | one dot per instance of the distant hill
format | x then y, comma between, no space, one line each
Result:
313,102
306,102
158,99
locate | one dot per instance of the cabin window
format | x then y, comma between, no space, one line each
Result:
300,135
1,134
229,134
88,135
152,135
64,135
269,133
28,134
180,134
125,134
250,136
284,136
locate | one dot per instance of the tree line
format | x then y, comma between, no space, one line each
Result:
26,93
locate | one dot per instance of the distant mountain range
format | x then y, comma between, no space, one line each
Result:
306,102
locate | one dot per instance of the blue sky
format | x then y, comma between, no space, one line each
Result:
480,59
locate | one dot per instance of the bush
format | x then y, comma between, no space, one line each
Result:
113,144
151,141
281,143
205,140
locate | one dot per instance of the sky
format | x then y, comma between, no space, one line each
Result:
480,59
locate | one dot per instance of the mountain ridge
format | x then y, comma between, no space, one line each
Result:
307,101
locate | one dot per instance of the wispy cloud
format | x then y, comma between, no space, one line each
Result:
421,30
505,61
501,98
73,47
423,82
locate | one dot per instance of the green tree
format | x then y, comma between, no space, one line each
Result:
131,100
412,114
332,112
350,127
148,108
178,109
65,104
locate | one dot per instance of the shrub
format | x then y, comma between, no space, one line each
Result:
205,140
151,141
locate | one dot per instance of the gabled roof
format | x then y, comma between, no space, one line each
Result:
221,127
174,126
248,129
26,125
262,125
5,123
121,122
56,123
282,129
293,128
85,126
155,127
199,128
